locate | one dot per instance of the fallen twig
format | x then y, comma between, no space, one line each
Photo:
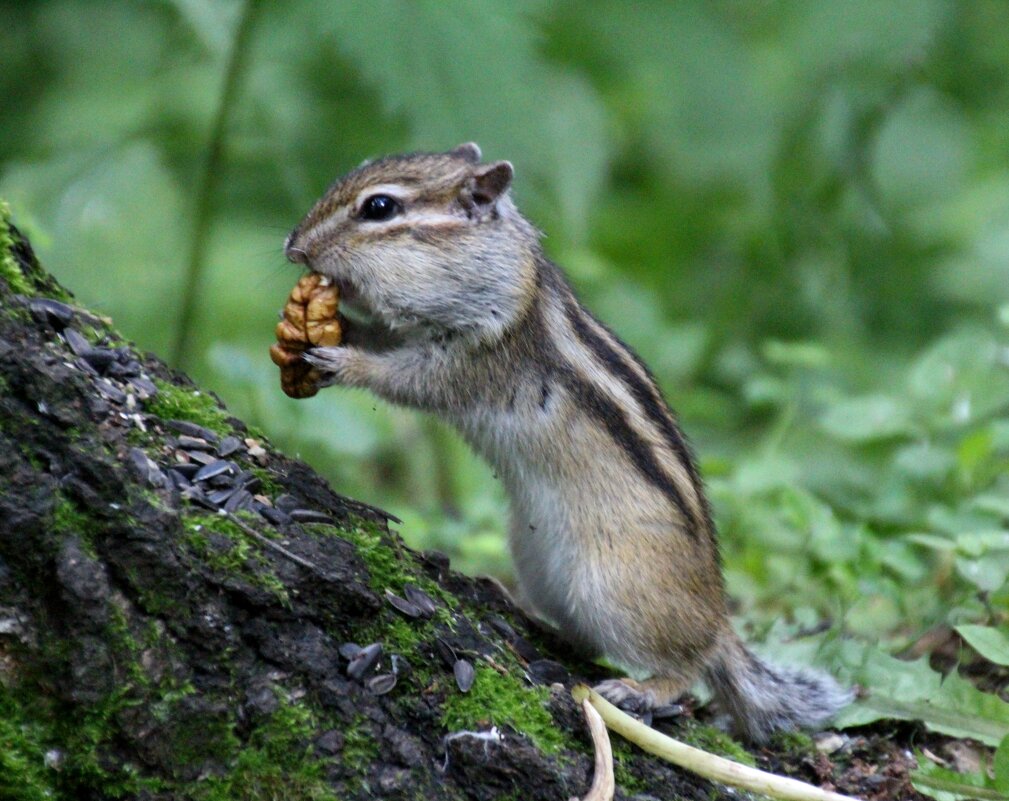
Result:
711,767
603,783
262,540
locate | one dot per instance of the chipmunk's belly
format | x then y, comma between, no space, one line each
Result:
575,567
587,534
577,555
545,551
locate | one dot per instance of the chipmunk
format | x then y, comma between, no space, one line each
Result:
611,532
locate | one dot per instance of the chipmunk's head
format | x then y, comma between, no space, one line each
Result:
425,243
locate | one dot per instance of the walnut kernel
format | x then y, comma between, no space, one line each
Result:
310,319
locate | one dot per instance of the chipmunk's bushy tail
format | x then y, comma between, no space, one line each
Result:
763,698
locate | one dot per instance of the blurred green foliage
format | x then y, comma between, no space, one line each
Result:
797,212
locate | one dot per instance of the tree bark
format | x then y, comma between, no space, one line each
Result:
182,608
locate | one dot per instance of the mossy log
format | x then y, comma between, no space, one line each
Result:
160,639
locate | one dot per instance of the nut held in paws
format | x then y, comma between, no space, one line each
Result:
310,320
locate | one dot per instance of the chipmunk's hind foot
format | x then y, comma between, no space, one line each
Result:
654,698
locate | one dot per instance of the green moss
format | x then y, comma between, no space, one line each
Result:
233,552
623,759
127,649
270,485
795,742
51,753
32,458
59,750
278,762
710,739
405,638
175,403
504,700
24,774
9,269
151,497
84,738
141,439
32,730
195,738
494,698
256,432
397,635
161,709
389,564
386,568
150,599
67,518
359,747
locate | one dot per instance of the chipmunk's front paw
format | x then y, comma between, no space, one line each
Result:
338,365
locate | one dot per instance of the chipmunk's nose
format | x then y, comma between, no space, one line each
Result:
293,253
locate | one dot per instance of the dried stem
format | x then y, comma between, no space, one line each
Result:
274,546
603,782
711,767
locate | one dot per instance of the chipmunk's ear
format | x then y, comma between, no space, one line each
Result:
467,150
491,181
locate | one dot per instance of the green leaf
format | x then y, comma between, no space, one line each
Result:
961,378
213,22
1000,765
944,784
796,354
982,543
913,691
863,32
934,542
766,390
921,150
988,574
818,526
997,505
991,643
697,104
868,418
925,460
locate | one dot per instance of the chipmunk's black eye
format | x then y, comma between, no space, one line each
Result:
380,207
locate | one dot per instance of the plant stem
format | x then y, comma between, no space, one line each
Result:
710,766
209,180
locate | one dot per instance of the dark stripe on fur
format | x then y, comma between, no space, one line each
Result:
646,396
609,414
550,279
